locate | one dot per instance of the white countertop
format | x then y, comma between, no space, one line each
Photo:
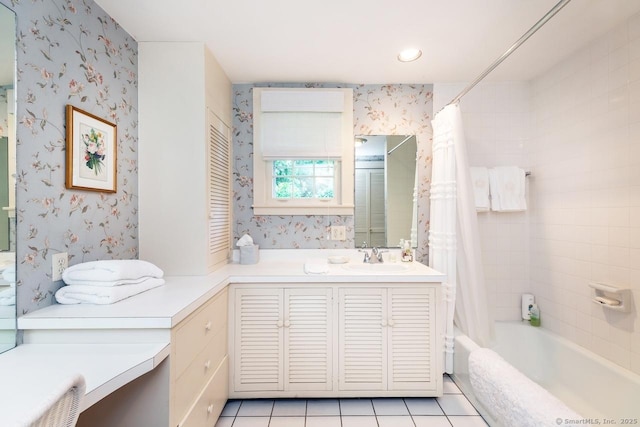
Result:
31,371
106,367
164,307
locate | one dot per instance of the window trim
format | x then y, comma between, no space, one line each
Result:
263,201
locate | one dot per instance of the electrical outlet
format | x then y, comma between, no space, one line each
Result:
338,232
59,262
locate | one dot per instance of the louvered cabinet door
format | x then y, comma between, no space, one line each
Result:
219,191
411,336
308,339
362,339
258,340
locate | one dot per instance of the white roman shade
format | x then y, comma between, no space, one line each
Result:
305,124
301,124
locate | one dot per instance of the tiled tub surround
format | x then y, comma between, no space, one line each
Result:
585,223
452,409
576,128
155,316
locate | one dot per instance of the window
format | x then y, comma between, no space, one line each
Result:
303,151
303,179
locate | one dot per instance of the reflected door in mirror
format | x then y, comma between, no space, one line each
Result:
385,190
370,211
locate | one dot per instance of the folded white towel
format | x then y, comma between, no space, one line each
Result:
510,397
110,272
9,273
109,283
480,182
507,187
316,267
80,294
8,296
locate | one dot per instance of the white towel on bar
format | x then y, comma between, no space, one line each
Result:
510,397
480,182
88,294
507,187
110,272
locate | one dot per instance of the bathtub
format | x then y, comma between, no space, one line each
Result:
587,383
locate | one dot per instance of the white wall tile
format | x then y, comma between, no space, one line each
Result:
576,128
498,126
586,158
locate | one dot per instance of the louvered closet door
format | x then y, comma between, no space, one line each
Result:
411,335
308,339
362,339
219,190
258,340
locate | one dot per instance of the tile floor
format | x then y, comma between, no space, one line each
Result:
452,409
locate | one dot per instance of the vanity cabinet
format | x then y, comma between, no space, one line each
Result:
331,340
199,368
387,339
281,339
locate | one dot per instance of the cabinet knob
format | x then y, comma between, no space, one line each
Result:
383,322
287,323
279,324
207,365
391,322
207,327
210,409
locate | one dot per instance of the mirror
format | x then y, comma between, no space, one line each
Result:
386,208
7,178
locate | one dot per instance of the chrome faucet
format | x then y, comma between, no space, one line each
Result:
374,258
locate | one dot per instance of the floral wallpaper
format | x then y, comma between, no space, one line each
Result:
70,52
395,109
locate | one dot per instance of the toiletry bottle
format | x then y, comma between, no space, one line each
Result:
527,301
407,255
534,314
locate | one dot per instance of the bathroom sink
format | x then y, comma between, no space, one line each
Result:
377,268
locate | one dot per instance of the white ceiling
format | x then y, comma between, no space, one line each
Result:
356,41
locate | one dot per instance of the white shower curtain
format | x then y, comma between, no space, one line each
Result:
454,241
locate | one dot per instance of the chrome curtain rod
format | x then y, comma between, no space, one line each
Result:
516,45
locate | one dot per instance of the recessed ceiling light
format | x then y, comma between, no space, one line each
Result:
409,55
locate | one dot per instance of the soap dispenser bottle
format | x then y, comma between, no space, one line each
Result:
534,314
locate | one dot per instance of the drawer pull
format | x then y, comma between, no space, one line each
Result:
207,327
210,409
207,365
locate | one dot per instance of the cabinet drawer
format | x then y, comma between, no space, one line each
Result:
207,409
195,377
194,333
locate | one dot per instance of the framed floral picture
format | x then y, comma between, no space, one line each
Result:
91,152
